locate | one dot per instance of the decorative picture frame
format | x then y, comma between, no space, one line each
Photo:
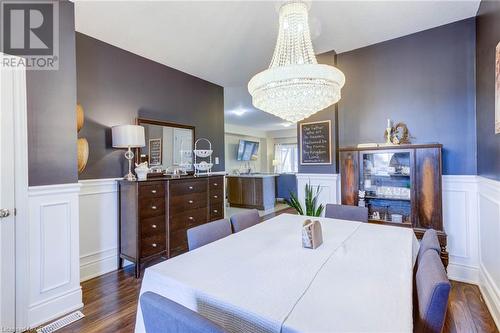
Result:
155,152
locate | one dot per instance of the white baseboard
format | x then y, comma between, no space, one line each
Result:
53,276
46,312
463,273
99,263
491,294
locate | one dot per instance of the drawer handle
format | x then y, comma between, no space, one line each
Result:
153,191
190,187
190,201
190,218
153,245
153,207
215,196
216,211
154,226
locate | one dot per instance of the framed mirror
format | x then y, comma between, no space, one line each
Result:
168,145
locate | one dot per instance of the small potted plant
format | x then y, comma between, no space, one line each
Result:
311,202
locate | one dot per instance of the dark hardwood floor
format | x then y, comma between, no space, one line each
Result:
111,304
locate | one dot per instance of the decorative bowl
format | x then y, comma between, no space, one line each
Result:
203,152
203,166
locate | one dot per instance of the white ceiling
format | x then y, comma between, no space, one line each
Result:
227,42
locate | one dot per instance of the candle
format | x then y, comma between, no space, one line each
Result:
389,123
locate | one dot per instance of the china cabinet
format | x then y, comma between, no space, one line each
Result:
400,185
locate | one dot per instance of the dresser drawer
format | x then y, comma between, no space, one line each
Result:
216,183
187,187
216,196
153,245
178,240
216,211
151,189
152,207
181,203
188,219
153,226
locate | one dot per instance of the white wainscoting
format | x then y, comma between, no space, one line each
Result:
489,250
329,186
98,227
461,223
54,274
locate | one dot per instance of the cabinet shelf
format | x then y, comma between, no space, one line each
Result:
387,175
374,197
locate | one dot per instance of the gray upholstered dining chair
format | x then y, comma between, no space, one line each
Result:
163,315
244,220
433,290
429,241
208,233
346,212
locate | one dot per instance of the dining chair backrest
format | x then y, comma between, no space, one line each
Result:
433,290
429,241
208,233
163,315
244,220
346,212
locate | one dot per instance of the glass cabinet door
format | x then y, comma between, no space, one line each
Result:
386,185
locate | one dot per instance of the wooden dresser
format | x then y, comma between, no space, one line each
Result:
155,215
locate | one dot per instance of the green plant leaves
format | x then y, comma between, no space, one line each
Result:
310,200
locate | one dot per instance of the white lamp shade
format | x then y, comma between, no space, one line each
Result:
125,136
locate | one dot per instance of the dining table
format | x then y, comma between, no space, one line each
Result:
261,279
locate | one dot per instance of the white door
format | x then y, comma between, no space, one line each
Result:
7,199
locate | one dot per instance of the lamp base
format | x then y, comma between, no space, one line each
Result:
129,155
130,177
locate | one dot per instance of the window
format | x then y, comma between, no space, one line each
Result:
286,157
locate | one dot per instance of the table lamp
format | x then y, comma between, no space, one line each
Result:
128,136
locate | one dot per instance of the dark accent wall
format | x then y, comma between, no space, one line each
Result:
426,80
487,38
115,87
326,114
51,103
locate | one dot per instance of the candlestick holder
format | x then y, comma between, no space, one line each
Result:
388,136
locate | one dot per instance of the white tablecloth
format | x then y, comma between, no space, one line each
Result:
262,280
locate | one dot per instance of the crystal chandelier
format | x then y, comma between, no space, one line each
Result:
295,86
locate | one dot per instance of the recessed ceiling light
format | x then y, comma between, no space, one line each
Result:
287,124
239,112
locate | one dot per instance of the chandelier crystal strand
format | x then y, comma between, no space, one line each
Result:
295,86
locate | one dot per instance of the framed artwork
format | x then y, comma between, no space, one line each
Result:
497,89
154,152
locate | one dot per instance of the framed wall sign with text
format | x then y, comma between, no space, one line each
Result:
315,143
155,158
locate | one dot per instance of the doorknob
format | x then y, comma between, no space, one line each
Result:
4,212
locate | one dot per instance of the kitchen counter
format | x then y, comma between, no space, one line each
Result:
252,190
253,175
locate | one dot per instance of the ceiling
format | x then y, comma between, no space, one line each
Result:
227,42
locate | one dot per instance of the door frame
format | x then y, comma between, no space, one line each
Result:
20,128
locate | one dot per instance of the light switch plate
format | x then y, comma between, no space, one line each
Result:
216,160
